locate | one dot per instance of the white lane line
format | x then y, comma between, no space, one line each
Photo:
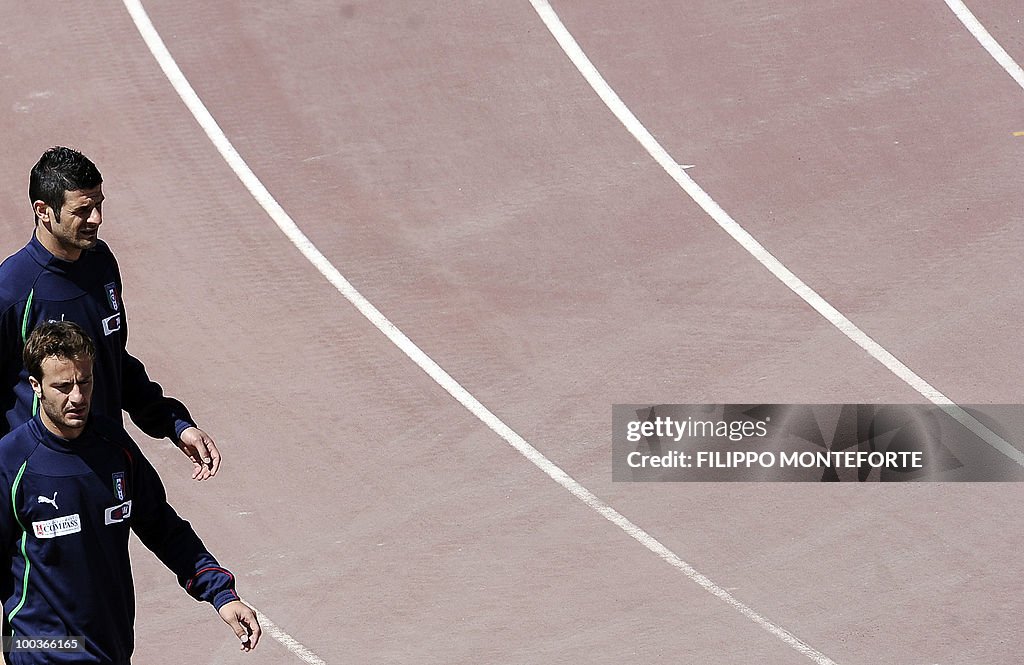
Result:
287,640
397,337
163,56
987,40
755,248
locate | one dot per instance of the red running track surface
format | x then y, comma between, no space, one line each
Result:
450,161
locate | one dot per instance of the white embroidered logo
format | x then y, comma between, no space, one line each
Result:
52,502
116,514
111,324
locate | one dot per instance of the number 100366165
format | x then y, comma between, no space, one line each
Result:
59,644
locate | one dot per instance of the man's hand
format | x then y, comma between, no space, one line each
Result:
200,448
243,621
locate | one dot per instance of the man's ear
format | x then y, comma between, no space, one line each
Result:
44,213
37,387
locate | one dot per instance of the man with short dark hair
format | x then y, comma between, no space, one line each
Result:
72,484
67,273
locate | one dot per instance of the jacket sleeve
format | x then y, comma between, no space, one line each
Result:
8,522
10,362
173,540
153,412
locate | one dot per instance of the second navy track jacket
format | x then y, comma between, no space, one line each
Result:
66,508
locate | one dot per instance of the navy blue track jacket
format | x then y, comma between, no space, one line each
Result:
36,286
65,511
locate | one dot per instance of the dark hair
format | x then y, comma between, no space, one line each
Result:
62,339
60,170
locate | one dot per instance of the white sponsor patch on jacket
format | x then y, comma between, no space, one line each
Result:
58,526
116,514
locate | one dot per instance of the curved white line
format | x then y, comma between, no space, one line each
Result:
287,640
163,57
397,337
987,40
755,248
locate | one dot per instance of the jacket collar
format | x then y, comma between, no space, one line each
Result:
45,258
58,443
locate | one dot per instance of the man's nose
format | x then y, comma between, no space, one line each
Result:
77,395
96,217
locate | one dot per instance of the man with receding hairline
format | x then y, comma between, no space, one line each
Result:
72,484
67,273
